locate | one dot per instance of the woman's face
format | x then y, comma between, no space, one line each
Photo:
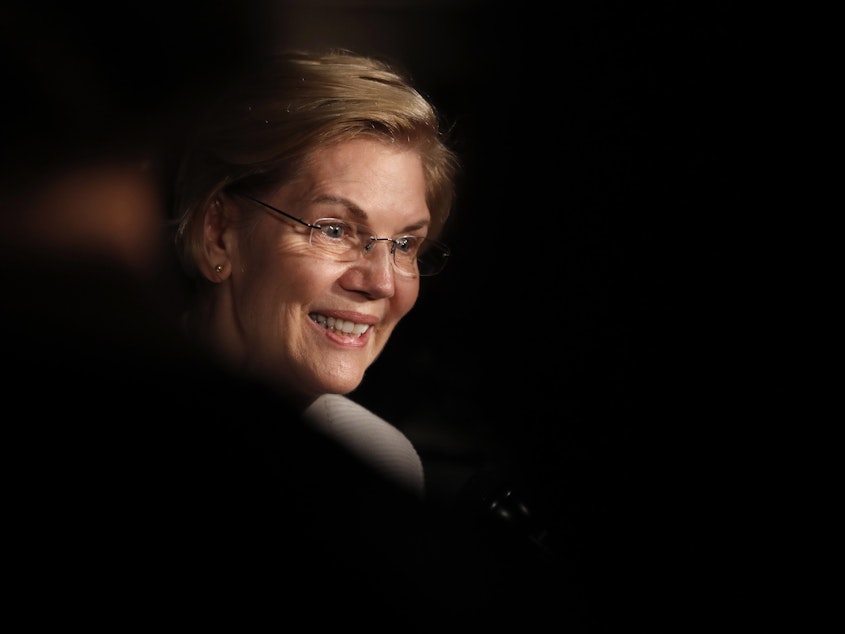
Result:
276,291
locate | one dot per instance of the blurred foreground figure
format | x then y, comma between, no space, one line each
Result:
95,101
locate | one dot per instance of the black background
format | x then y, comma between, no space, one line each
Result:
572,351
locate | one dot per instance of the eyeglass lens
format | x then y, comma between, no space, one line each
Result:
412,255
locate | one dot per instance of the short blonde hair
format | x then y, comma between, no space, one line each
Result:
259,133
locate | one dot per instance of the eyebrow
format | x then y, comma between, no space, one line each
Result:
360,215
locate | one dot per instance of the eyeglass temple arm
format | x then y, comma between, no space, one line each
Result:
279,211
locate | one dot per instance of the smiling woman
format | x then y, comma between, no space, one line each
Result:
308,206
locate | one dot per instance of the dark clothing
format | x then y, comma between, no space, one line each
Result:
147,484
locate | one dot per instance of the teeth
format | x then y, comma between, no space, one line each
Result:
340,325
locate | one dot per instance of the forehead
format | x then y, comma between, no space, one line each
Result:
368,172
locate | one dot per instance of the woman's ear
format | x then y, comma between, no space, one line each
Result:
217,222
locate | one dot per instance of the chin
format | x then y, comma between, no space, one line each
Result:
341,384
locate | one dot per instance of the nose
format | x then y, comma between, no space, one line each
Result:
372,243
373,273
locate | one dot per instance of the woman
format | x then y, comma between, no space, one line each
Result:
309,205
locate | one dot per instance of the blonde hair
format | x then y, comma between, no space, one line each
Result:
259,133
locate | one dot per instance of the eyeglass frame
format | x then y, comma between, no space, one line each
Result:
394,242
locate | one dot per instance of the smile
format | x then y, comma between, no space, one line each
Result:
339,325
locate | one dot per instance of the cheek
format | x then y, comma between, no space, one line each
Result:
267,248
272,254
275,273
291,279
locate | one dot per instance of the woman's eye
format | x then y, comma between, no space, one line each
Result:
336,230
406,244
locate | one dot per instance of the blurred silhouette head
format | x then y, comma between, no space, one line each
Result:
95,99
